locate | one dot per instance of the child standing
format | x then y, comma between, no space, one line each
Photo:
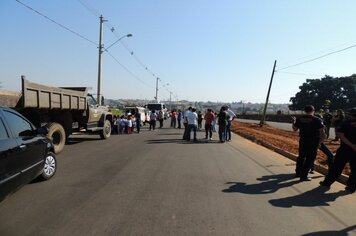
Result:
129,125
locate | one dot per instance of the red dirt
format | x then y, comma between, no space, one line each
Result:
282,139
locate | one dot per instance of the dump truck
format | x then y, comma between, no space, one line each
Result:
63,110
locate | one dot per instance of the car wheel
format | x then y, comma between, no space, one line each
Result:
50,166
106,132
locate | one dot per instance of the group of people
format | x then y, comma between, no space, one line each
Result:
176,118
193,121
126,124
313,131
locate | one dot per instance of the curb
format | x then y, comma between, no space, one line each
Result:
321,169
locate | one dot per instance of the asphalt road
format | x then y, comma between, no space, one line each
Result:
283,126
153,183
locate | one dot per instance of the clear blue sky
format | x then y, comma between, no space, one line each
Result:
206,50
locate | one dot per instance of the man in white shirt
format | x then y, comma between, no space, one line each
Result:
192,119
185,123
231,117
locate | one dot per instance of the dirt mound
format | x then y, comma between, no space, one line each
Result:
282,139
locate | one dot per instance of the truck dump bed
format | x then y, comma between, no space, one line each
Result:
45,97
10,99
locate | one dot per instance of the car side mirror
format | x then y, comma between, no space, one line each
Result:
42,130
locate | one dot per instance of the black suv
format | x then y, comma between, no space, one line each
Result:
25,152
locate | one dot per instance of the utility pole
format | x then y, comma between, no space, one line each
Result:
263,119
99,62
157,89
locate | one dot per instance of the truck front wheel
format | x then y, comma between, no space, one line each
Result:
105,133
58,136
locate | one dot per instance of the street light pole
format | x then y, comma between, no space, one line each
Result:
99,62
157,89
101,47
170,101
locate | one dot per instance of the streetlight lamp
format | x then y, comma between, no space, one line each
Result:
101,46
125,36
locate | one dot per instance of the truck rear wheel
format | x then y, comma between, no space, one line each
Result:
58,136
106,132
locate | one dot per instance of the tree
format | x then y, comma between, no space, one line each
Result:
327,92
327,104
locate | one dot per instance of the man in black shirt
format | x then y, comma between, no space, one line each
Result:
346,153
222,124
327,119
311,133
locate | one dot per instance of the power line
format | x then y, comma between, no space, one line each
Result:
138,60
298,73
316,58
130,72
112,29
315,54
96,14
81,36
131,52
55,22
89,8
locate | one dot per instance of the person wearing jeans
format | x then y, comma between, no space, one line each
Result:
324,149
153,118
192,123
222,124
311,133
209,118
345,153
231,117
179,118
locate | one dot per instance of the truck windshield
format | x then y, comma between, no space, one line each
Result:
91,100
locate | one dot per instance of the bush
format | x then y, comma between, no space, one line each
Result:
117,112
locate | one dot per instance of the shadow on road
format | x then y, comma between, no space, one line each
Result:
270,184
78,139
158,141
343,232
312,198
181,141
171,134
201,141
